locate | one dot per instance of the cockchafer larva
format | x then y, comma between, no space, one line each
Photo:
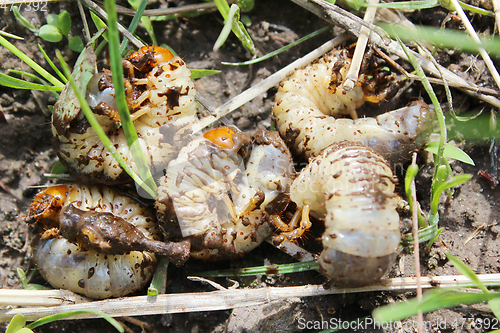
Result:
216,192
348,181
351,187
160,95
308,101
96,242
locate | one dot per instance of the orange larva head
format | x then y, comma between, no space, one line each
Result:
151,56
222,136
47,204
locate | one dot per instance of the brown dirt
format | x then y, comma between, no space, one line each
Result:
25,155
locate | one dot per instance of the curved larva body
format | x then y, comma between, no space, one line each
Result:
71,264
352,188
67,266
218,199
308,101
162,105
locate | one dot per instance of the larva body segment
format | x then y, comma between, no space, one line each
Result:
66,265
160,96
73,250
352,188
308,103
218,191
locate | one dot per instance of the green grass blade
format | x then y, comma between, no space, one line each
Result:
99,24
98,129
433,300
445,38
278,51
474,9
424,235
237,27
159,278
23,20
433,239
411,173
466,271
226,30
127,124
58,168
59,316
450,151
58,72
199,73
450,183
13,82
263,270
31,63
139,6
35,78
6,34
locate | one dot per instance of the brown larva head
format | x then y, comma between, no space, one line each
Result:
47,204
149,56
222,136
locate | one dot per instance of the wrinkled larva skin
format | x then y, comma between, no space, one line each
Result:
160,95
219,189
352,188
308,103
71,264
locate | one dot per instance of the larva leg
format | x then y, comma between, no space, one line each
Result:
352,188
295,232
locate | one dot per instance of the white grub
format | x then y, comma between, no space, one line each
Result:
72,265
351,187
309,102
162,106
216,192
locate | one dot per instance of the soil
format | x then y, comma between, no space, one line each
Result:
469,220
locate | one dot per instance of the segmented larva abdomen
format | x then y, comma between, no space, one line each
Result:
320,82
65,265
352,188
217,199
308,101
162,106
74,267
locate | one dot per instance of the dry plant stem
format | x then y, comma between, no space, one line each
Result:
50,297
23,2
216,300
293,250
482,90
416,246
475,37
121,28
84,19
324,10
268,83
199,7
496,7
359,51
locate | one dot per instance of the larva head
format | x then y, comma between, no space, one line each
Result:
47,204
222,136
149,56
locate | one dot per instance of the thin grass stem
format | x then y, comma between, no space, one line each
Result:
39,69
